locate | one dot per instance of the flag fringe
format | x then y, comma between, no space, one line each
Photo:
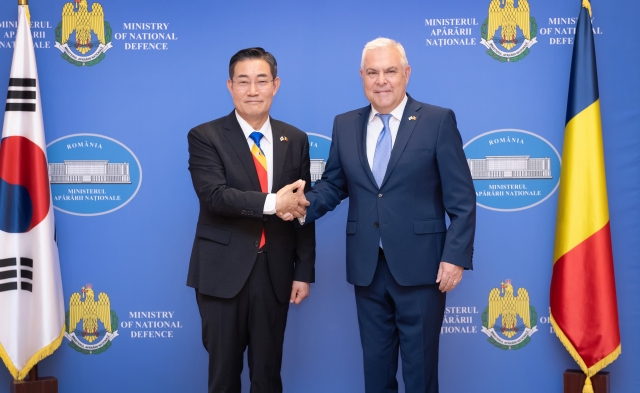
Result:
589,371
37,357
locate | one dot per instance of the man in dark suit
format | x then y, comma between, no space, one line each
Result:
402,166
247,265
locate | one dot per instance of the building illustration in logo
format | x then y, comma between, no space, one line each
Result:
319,146
84,318
89,171
500,30
92,174
317,168
84,51
510,167
500,318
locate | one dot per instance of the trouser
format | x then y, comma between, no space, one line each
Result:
392,316
254,318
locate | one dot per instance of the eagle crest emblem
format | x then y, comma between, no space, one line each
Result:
83,22
85,50
509,320
509,26
85,317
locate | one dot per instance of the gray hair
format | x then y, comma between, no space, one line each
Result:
382,42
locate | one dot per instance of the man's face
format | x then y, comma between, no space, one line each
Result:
252,89
384,79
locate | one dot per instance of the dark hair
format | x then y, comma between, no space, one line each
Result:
253,53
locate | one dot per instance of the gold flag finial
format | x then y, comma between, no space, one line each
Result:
23,2
587,5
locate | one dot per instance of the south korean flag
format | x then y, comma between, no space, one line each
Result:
31,299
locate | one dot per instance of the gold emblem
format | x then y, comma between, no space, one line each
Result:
503,13
509,306
83,22
85,308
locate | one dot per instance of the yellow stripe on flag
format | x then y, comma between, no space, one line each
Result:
582,182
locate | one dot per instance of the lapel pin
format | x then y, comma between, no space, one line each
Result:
412,118
284,139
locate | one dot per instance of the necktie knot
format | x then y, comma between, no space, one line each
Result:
256,136
385,119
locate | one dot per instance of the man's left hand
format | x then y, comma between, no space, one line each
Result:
299,291
449,276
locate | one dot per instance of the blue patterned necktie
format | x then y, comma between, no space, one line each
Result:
383,150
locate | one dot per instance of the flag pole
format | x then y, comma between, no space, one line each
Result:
33,373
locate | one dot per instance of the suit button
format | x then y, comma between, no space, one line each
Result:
375,225
257,244
379,195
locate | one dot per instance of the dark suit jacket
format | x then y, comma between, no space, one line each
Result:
231,210
427,176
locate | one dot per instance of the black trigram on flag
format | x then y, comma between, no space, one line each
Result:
9,274
21,96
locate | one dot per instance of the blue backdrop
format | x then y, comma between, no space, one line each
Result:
154,84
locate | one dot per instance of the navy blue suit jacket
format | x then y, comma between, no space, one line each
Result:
427,177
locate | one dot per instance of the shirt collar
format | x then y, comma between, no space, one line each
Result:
396,113
247,129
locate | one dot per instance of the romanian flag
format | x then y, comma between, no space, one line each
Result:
584,310
31,302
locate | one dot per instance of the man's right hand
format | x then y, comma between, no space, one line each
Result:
289,204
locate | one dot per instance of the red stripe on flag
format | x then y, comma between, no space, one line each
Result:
583,297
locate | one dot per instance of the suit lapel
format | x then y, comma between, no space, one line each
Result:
279,153
361,136
238,142
404,133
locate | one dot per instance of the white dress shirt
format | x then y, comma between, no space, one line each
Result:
266,144
375,126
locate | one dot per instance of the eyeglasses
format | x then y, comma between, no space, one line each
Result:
261,84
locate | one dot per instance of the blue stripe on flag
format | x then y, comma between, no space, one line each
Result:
583,85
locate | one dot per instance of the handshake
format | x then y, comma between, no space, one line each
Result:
291,202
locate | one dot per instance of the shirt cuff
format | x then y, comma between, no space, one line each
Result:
270,204
302,219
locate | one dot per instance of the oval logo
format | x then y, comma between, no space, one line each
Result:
319,153
512,169
92,174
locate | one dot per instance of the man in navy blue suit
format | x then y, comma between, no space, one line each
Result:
401,164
